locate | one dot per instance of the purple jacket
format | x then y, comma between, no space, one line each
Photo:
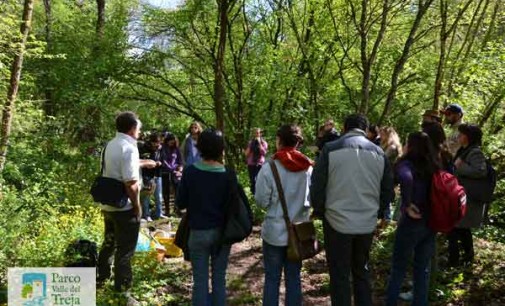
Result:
413,190
171,159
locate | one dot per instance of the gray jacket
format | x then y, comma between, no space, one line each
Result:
352,179
296,192
471,170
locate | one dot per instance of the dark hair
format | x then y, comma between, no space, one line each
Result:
211,144
356,121
374,129
472,132
125,121
422,155
169,137
154,137
436,133
290,135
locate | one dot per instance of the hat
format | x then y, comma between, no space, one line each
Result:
453,108
431,113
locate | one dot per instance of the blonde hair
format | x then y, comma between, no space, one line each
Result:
198,126
390,139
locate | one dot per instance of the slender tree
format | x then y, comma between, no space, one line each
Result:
13,88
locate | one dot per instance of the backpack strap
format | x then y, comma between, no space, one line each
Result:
103,159
280,191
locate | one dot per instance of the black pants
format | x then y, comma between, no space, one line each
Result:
346,254
169,182
460,239
253,173
121,234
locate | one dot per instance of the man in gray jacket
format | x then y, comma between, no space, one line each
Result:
352,183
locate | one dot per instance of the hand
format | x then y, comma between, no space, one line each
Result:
413,212
458,162
158,163
149,164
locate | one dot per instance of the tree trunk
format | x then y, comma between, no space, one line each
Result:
48,90
441,61
12,91
100,21
219,90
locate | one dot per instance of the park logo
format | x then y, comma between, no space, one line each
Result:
51,286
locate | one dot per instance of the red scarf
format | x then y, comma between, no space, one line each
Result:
292,159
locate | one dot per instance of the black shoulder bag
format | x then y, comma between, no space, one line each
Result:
108,191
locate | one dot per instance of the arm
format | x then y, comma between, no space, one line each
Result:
318,184
148,163
131,177
182,197
133,191
264,187
179,159
387,188
473,166
263,147
247,151
406,181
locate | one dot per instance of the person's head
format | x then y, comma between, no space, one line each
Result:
329,125
194,128
435,131
355,121
211,144
155,141
420,152
453,113
289,135
128,123
389,137
170,140
372,132
257,133
430,115
469,135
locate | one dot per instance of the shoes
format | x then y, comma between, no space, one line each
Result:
131,301
406,296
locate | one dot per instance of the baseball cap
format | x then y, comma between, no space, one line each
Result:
453,108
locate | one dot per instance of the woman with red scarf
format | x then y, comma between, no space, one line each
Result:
295,170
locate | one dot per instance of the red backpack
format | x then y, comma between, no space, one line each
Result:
448,202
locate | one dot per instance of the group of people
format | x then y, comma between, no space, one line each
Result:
350,186
161,181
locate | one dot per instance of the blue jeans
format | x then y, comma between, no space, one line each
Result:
204,245
274,260
158,196
412,237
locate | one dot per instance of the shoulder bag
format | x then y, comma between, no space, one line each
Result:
302,240
108,191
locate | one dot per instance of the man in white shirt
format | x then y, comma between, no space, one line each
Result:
121,224
454,118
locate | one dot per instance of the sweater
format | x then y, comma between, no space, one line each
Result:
204,192
296,191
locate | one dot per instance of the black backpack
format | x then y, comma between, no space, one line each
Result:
81,253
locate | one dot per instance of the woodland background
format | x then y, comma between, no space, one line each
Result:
235,65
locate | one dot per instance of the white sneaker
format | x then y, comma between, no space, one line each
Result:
148,219
406,296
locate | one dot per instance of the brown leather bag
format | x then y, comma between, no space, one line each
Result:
302,240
